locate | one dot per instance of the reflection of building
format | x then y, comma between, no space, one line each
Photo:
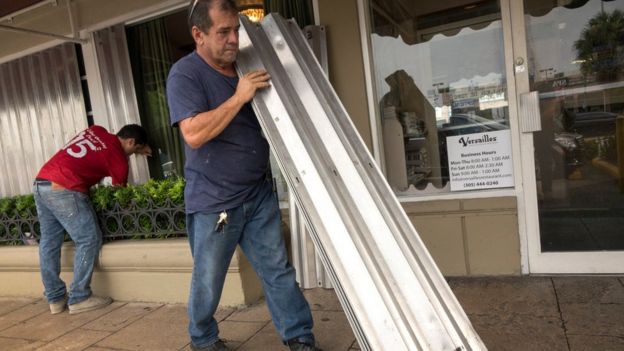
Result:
582,94
417,153
476,100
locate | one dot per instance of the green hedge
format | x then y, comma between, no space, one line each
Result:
105,198
24,205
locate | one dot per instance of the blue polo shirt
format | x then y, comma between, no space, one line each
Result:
227,170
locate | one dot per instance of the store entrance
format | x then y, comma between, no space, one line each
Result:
575,62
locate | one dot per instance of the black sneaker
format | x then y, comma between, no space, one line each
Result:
296,345
217,346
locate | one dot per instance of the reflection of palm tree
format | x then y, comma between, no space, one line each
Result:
599,47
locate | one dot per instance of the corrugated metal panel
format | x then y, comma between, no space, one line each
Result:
531,120
388,284
119,94
307,263
41,107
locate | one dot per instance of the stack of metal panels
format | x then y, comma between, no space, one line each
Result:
390,288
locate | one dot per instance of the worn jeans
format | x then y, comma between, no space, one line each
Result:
62,210
255,226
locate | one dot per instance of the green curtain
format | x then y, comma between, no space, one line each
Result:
300,10
150,57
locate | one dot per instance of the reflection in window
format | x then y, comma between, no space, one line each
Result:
576,63
439,72
153,46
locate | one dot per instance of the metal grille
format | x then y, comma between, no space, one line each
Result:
41,107
119,93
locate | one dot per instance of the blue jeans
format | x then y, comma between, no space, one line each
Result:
255,226
61,210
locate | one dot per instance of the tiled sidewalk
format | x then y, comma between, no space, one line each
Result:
522,313
26,324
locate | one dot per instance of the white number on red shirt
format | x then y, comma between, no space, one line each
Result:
78,146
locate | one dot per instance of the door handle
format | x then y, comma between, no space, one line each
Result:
530,118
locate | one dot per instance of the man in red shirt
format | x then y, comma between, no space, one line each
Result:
61,192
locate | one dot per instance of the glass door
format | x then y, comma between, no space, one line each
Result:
574,59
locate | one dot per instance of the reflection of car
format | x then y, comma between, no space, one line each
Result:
570,147
594,123
468,124
462,124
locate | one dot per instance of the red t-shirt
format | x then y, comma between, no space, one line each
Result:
86,159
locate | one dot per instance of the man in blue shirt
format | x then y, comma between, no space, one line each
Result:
229,200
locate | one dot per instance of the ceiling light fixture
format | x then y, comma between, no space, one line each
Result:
255,14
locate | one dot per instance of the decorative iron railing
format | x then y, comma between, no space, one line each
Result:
19,228
143,221
134,221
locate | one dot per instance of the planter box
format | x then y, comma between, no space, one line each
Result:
137,270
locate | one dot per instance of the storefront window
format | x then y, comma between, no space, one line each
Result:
441,86
153,47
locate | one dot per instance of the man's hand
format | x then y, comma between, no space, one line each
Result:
249,83
144,150
205,126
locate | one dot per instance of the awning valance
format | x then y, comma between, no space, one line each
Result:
9,8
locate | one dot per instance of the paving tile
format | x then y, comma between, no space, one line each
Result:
593,343
19,344
355,346
332,330
122,316
223,313
514,331
234,345
266,339
523,342
511,313
77,339
322,299
239,331
163,329
23,313
11,304
47,327
255,313
530,295
594,319
515,323
589,290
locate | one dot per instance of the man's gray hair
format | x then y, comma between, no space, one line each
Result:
198,12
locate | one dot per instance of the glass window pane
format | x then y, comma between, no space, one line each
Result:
153,46
439,73
576,63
